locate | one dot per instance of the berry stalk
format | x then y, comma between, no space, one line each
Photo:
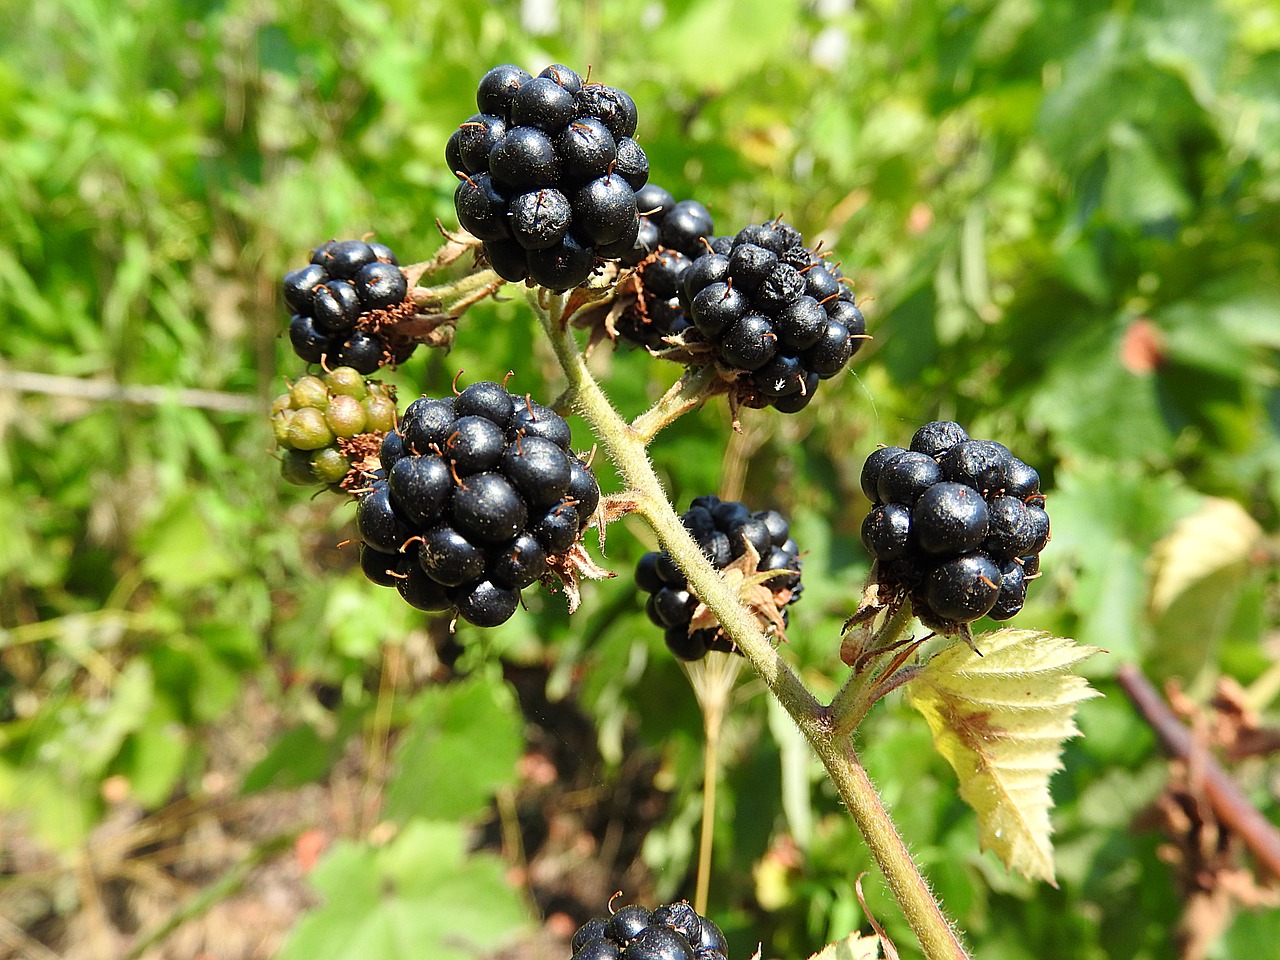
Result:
685,394
625,446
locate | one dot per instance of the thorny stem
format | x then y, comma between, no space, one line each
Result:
626,448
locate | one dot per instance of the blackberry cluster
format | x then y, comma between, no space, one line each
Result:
673,931
723,529
773,311
341,302
479,497
672,235
548,172
329,425
958,523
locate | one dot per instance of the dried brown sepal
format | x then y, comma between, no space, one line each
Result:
601,290
457,244
751,586
600,317
429,329
877,596
569,568
615,506
362,452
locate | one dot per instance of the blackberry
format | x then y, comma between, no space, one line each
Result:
669,236
344,305
671,932
957,524
775,317
548,171
728,533
482,497
332,428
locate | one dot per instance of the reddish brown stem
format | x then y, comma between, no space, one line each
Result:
1229,803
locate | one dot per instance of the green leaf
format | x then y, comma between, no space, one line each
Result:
420,896
999,719
461,747
1198,572
153,758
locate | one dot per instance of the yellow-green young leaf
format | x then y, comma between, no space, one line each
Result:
1218,535
1000,719
853,947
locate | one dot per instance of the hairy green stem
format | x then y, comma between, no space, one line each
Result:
865,686
626,448
466,284
938,938
685,394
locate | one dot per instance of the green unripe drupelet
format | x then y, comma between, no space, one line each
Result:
380,413
346,382
309,392
345,416
308,430
295,467
328,465
333,423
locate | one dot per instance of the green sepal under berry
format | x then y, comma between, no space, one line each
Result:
330,428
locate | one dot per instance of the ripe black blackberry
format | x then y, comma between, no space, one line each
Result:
345,302
673,931
730,535
958,524
778,318
548,172
480,496
672,236
329,427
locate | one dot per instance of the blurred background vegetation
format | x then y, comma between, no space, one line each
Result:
1064,216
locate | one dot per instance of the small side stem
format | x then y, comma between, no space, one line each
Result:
863,687
685,394
464,285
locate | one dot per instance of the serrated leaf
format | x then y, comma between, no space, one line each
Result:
853,947
1000,719
1218,535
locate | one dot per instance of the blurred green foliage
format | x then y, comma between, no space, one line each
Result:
1064,217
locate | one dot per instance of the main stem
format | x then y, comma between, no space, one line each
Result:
626,448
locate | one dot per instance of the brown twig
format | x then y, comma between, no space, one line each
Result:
1229,803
